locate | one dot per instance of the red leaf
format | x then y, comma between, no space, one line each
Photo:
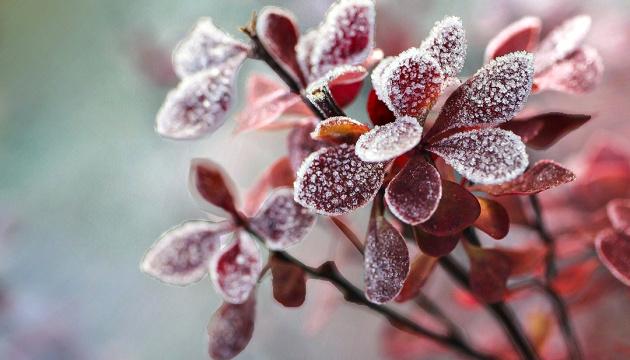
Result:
231,329
235,269
619,214
288,281
579,73
515,209
522,35
386,261
457,210
493,220
209,185
524,260
377,110
543,130
489,272
334,181
345,83
263,113
301,144
613,250
281,221
562,41
545,174
182,254
434,245
414,194
339,129
277,175
389,141
279,33
575,277
421,268
447,44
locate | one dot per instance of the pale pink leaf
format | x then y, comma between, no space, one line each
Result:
414,194
522,35
334,181
265,111
619,214
182,254
579,73
485,156
390,140
234,270
300,144
281,221
613,250
447,44
230,329
562,41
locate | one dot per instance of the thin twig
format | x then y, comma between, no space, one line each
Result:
349,234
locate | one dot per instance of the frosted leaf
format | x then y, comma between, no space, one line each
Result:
334,181
182,254
522,35
378,112
492,96
579,73
303,50
301,144
390,140
486,156
411,83
207,47
235,269
386,261
619,214
447,44
613,250
281,221
414,194
339,129
544,175
288,282
198,105
346,37
343,82
377,77
562,41
209,185
230,329
265,111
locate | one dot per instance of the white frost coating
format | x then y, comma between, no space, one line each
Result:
528,22
205,47
231,329
447,44
303,51
334,181
486,156
579,73
390,140
182,254
562,41
281,221
377,77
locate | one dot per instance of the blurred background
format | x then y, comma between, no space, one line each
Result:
86,185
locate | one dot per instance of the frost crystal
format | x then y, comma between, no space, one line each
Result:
206,47
281,221
414,194
579,73
230,329
486,156
182,254
377,77
389,141
447,44
562,41
303,50
492,96
386,262
334,181
235,269
522,35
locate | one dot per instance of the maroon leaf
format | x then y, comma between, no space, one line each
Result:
457,210
389,141
447,44
386,261
235,269
288,281
182,254
209,185
339,129
492,96
619,214
279,33
421,268
485,156
207,47
281,221
493,220
545,174
433,245
562,41
414,194
377,110
277,175
489,272
334,181
231,329
613,250
579,73
543,130
345,83
524,260
522,35
301,144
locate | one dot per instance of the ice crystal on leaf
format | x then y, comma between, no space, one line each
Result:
613,250
486,156
334,181
230,329
389,141
281,221
182,254
209,185
579,73
207,47
386,261
235,269
522,35
619,214
562,41
447,44
343,82
414,194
